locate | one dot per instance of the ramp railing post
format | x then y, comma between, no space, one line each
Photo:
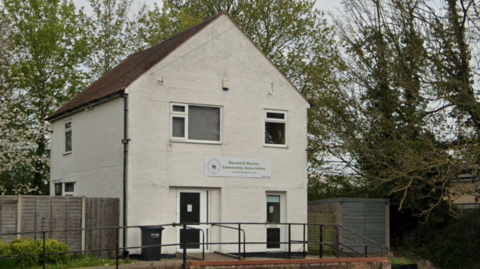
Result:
337,245
289,241
239,243
320,246
184,244
304,251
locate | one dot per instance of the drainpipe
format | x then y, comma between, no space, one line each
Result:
125,141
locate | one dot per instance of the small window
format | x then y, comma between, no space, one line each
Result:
276,128
196,123
177,108
68,137
69,187
58,189
64,189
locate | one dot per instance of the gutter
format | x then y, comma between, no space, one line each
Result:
85,105
125,141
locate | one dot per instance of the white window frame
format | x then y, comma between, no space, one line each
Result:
63,189
284,121
65,137
205,209
184,115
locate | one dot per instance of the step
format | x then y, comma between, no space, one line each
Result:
217,256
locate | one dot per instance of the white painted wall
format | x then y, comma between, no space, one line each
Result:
96,161
158,166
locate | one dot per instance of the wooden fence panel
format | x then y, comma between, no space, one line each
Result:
101,213
28,217
314,231
43,212
62,217
8,218
59,216
73,222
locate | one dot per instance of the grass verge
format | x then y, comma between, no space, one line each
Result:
73,261
401,261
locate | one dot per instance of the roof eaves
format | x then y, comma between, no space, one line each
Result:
65,113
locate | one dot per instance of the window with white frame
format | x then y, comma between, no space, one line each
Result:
275,128
64,189
68,137
195,123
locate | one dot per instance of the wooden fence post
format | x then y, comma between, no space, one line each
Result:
19,216
84,216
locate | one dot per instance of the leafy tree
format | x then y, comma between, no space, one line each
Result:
14,144
158,24
394,122
112,35
48,48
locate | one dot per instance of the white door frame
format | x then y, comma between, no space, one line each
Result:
283,229
204,217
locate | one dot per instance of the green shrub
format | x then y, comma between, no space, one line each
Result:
26,246
52,246
5,251
4,248
452,243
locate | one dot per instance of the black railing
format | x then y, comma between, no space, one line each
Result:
337,245
239,238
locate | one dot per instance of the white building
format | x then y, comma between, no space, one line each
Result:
199,128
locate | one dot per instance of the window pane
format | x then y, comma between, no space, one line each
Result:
273,199
179,108
272,115
69,187
68,141
273,209
275,133
178,127
204,123
58,189
68,125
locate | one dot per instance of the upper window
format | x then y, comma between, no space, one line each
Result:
276,128
195,123
68,137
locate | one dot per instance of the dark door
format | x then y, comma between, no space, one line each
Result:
273,218
190,213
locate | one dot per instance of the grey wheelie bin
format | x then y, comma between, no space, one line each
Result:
151,235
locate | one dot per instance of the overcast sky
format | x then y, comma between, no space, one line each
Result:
325,5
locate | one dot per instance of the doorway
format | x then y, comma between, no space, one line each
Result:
274,218
192,209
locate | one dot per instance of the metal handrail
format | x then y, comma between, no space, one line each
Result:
345,246
380,245
244,238
354,240
184,242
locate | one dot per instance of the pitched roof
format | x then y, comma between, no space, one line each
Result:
119,78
